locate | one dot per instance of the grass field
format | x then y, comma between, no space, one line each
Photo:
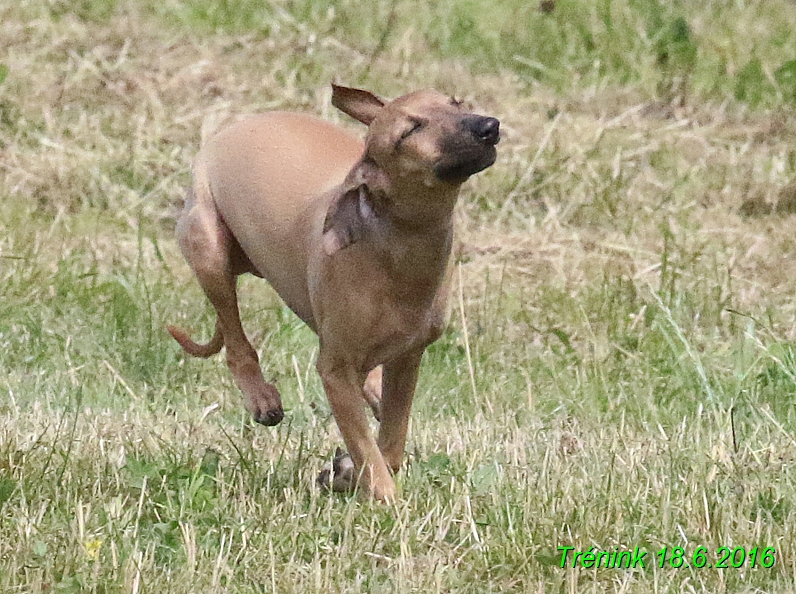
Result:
620,367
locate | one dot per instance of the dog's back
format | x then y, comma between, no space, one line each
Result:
270,177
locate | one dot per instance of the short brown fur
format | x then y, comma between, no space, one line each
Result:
355,237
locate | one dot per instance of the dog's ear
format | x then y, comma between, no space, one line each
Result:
345,220
360,105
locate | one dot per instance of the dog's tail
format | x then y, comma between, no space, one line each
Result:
194,348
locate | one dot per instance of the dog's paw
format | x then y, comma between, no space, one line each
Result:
270,418
266,408
339,476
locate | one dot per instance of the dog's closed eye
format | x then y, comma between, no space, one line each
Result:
416,125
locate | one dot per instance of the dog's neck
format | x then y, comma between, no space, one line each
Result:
412,222
405,204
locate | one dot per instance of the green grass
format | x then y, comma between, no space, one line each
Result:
628,303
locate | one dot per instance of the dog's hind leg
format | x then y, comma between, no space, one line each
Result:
372,391
216,259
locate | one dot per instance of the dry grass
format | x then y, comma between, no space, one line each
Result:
628,273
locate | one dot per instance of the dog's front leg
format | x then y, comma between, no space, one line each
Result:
398,389
343,385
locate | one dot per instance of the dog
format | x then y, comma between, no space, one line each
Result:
356,239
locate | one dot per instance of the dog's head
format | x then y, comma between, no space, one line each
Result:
418,151
424,134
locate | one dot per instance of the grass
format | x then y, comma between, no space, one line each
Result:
620,371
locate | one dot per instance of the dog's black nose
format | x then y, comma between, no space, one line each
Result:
487,130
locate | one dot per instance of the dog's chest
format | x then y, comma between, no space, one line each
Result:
398,325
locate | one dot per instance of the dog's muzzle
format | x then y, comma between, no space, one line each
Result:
469,150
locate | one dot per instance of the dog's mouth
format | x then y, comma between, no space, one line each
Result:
470,150
457,168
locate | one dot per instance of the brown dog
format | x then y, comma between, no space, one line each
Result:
354,237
